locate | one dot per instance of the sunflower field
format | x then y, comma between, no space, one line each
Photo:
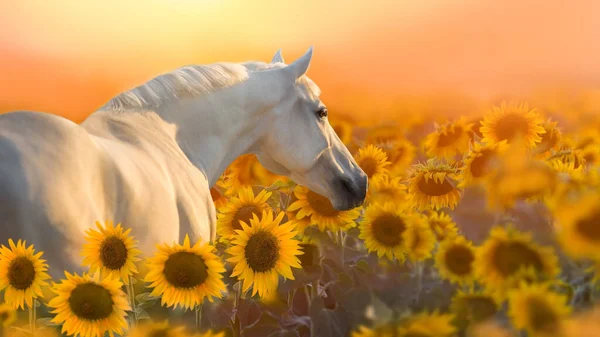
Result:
482,224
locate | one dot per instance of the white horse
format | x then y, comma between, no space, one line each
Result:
149,156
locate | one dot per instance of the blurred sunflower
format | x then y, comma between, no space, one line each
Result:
262,251
343,130
383,134
427,324
321,211
567,155
111,250
247,170
386,189
455,259
474,132
418,239
241,209
538,310
311,255
184,275
442,225
433,186
506,252
89,306
363,331
570,183
383,227
578,223
151,329
23,273
373,161
473,307
510,121
401,154
448,139
479,161
217,193
517,176
551,139
8,315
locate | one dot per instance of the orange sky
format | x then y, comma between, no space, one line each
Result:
70,56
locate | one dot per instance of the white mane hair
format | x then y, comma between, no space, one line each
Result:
187,81
192,81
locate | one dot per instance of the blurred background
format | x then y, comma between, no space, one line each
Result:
68,57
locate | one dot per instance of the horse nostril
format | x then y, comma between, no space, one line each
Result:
348,186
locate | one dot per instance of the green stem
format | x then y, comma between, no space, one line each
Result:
419,267
235,324
131,293
343,237
199,315
32,317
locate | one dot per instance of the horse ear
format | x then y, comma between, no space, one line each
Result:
300,66
277,58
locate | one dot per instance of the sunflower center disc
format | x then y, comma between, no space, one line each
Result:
185,270
542,316
511,126
369,166
479,165
310,256
21,273
510,257
590,226
388,230
320,204
459,260
113,253
91,302
3,317
450,137
244,214
159,333
433,188
262,251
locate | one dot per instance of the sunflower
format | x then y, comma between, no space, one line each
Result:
538,310
473,307
320,211
247,170
506,252
474,132
383,228
442,225
551,139
517,176
183,275
419,239
578,223
510,121
401,154
567,155
363,331
479,161
23,273
8,315
386,189
570,183
448,139
111,250
433,186
217,192
373,161
427,324
455,259
301,224
311,253
343,129
89,306
262,251
241,209
383,134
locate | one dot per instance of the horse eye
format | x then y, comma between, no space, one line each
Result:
322,113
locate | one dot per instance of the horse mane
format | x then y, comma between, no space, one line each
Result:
188,81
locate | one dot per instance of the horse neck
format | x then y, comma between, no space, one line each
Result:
214,132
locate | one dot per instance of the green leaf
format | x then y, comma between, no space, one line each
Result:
363,266
141,313
45,321
142,297
276,185
275,200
